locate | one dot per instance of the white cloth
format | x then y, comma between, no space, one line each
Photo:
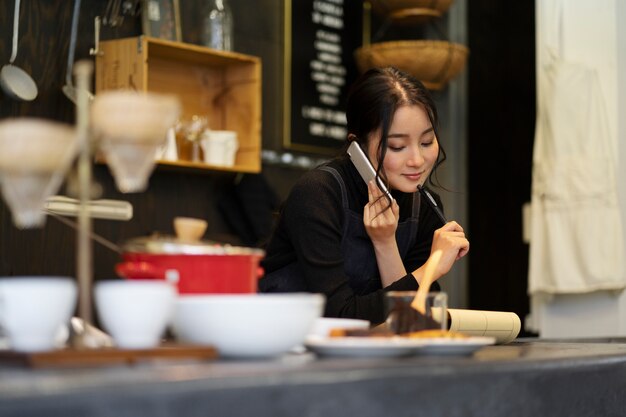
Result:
576,232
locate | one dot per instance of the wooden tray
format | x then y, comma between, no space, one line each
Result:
106,356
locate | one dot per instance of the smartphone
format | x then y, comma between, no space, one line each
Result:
364,166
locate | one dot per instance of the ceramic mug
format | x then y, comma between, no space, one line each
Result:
135,313
33,310
219,147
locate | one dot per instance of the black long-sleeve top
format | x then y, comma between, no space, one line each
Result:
309,232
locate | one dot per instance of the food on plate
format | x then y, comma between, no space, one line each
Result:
356,332
384,332
435,334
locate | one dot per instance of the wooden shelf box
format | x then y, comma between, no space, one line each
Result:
223,86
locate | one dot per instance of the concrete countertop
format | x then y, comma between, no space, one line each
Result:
525,378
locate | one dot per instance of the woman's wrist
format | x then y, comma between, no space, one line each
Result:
419,272
390,265
385,245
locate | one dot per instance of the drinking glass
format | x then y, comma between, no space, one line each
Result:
192,130
403,318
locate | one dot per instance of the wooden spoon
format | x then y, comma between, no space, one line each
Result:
419,302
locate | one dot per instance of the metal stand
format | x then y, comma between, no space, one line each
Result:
84,268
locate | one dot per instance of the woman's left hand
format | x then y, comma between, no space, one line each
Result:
380,218
450,240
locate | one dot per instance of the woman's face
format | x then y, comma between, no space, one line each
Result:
412,149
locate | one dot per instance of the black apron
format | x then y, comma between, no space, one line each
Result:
356,246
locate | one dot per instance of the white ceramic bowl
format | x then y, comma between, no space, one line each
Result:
324,325
247,325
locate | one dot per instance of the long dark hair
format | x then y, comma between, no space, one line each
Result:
372,102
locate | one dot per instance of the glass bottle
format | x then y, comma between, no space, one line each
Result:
217,32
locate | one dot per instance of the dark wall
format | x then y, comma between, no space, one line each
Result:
501,129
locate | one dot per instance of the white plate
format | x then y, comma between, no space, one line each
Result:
363,346
442,346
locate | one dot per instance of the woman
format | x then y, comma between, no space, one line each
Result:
341,237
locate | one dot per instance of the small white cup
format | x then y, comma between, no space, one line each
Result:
34,309
135,313
220,147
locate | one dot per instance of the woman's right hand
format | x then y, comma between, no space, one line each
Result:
379,217
381,221
451,241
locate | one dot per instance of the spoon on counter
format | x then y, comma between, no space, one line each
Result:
68,89
16,82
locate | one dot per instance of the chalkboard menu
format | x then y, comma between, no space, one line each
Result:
320,39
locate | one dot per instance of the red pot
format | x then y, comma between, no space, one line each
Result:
198,267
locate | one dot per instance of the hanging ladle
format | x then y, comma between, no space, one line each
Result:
16,82
68,89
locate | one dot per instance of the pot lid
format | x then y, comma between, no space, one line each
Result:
171,245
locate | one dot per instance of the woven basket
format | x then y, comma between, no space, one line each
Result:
385,7
434,63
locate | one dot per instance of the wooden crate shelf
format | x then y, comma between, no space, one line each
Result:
224,87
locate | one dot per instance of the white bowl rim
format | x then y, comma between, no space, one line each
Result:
249,297
343,320
157,283
36,279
